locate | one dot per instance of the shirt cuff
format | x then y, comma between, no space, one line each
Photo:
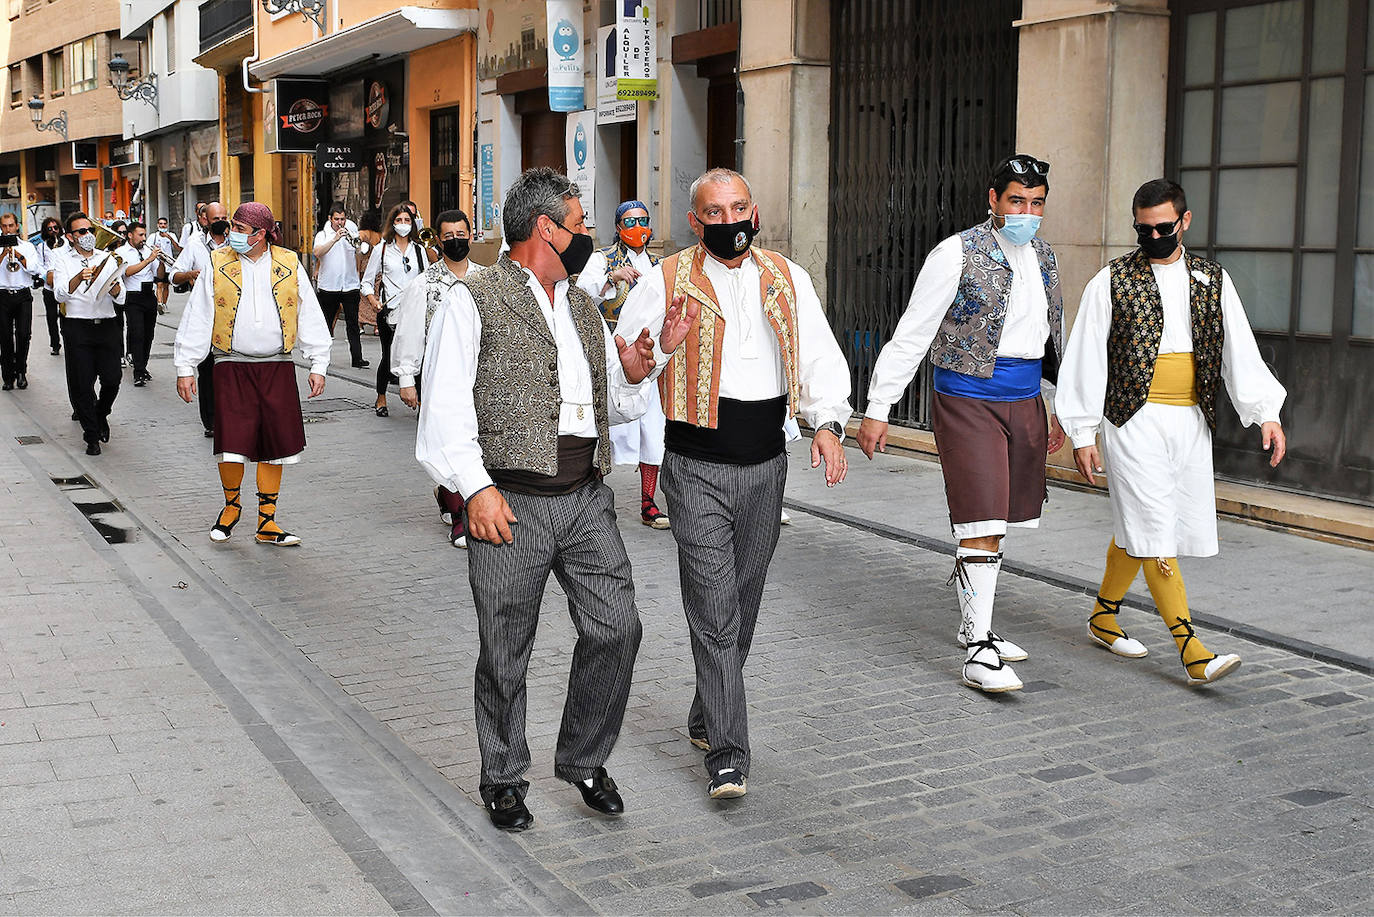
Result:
320,368
407,380
183,371
878,412
1084,439
468,483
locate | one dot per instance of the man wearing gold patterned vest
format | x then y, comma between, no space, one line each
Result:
1158,332
758,351
253,306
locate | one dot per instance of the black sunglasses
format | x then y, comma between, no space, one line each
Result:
82,232
1025,165
1143,230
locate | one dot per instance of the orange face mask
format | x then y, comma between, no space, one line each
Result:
635,236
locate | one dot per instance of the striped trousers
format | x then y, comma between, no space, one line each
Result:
574,537
726,520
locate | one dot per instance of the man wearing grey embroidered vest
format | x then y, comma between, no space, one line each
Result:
522,380
987,307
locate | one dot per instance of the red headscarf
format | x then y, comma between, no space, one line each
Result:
258,216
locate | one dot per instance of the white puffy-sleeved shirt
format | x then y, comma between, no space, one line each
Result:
446,441
390,270
1025,327
593,280
1254,391
409,317
88,300
257,324
751,364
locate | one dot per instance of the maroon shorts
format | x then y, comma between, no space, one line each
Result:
257,410
993,457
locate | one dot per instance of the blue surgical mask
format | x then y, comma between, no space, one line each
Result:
1020,228
238,241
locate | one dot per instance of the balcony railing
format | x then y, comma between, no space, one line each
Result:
221,19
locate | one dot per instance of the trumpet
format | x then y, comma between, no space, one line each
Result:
358,244
428,237
105,241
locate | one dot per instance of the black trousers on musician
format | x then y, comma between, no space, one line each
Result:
94,347
331,302
140,310
16,327
53,315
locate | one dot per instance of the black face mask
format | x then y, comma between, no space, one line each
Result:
727,241
219,227
457,249
574,257
1157,248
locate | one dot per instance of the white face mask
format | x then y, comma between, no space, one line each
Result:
86,242
402,229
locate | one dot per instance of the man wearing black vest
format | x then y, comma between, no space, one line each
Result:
522,380
1158,332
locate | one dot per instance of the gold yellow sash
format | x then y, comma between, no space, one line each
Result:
1173,381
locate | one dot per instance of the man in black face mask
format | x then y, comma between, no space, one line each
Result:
759,350
1158,332
413,312
522,381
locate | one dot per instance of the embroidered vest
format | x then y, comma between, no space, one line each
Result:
1138,325
618,256
228,279
516,394
438,280
971,329
690,384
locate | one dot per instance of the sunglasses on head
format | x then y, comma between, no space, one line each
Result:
1164,229
1025,165
627,222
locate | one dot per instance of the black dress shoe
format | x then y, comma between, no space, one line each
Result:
602,795
93,448
139,383
57,351
8,386
104,431
361,364
75,417
507,810
23,381
209,434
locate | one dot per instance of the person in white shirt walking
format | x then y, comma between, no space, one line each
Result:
611,273
413,314
19,265
391,266
337,283
758,351
1159,331
53,239
987,308
193,261
253,307
87,285
170,247
140,302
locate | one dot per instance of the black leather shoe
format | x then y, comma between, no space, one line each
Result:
602,795
93,448
105,431
57,351
507,810
209,434
361,364
8,386
75,417
23,381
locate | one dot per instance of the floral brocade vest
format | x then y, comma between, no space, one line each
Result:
1138,326
972,328
228,272
618,256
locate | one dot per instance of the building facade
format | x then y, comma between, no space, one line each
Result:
57,53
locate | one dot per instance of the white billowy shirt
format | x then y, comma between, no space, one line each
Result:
410,316
593,280
1254,391
89,300
751,364
446,441
133,256
1025,327
339,266
257,324
196,255
396,269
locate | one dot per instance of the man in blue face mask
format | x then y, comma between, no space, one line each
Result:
988,310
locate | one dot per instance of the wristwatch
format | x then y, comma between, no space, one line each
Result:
834,427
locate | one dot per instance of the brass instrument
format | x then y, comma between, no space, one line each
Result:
359,246
428,238
105,241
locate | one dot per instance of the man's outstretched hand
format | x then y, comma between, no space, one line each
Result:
636,359
682,315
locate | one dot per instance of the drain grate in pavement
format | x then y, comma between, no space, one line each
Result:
28,440
330,405
103,514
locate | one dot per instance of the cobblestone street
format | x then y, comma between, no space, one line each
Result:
879,785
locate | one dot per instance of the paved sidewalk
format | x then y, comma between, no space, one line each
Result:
879,785
126,785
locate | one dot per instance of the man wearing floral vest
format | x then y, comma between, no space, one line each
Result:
987,308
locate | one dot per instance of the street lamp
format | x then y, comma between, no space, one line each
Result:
145,90
310,9
58,124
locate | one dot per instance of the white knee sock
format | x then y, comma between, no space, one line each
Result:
975,584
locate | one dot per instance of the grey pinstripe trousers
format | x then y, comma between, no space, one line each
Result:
573,536
726,520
